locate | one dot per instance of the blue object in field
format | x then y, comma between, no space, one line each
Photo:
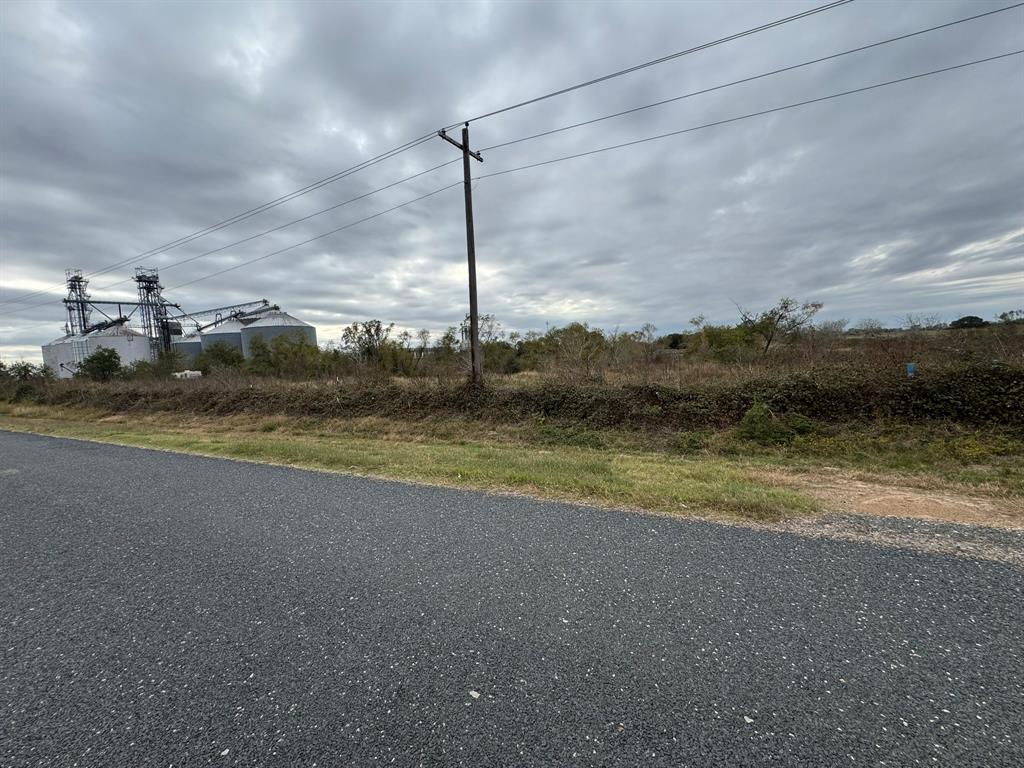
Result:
911,369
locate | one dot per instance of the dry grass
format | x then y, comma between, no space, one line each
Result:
939,472
643,481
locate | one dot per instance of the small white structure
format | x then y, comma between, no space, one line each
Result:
188,375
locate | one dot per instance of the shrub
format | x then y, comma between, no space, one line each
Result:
798,423
221,355
760,425
690,442
102,365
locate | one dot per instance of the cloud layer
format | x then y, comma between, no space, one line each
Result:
126,126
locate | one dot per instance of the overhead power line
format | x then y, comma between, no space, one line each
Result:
692,94
750,79
239,217
278,228
525,138
606,149
655,62
616,146
318,237
747,116
415,142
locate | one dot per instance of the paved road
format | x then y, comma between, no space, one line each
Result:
166,610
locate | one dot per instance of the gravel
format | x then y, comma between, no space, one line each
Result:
159,609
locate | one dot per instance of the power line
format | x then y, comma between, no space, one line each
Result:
585,123
426,137
241,216
654,62
277,228
557,160
749,79
606,149
294,221
589,122
747,116
313,239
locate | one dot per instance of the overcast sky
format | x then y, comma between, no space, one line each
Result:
126,126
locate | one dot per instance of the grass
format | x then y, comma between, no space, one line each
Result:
941,455
706,472
599,475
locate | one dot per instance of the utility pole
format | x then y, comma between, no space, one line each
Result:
475,355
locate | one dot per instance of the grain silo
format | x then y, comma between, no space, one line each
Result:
229,332
60,356
130,345
274,324
188,347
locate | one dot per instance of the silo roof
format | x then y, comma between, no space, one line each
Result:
228,326
277,319
115,330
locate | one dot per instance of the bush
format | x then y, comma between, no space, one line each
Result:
220,356
690,442
760,425
798,423
975,394
102,365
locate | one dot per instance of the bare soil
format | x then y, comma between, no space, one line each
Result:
847,494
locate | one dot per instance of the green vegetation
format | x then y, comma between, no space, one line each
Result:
740,420
979,395
646,481
102,365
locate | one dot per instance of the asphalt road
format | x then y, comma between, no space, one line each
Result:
167,610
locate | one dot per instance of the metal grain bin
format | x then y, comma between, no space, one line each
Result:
188,347
130,345
229,332
273,325
60,356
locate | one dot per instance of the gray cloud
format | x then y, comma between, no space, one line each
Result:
129,125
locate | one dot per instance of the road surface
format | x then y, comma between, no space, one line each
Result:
168,610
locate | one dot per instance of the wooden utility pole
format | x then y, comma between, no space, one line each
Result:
476,356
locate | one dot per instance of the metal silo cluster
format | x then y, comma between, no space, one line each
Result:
162,323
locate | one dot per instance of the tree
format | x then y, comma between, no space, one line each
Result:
488,326
1012,316
22,371
294,357
102,365
220,355
785,318
261,358
576,349
162,368
968,321
919,321
674,340
832,327
366,340
868,325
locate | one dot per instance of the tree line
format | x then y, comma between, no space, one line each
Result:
374,348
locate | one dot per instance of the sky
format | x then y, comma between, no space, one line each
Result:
124,127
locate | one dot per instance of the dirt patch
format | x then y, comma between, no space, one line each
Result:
884,512
850,495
